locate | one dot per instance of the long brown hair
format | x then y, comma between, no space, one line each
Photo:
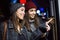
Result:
17,23
36,21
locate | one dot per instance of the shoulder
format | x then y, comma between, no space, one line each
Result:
9,24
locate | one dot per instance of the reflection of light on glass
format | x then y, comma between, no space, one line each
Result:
38,12
45,13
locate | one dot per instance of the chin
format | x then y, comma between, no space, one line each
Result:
32,17
21,18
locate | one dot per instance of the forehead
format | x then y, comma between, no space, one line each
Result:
32,9
21,8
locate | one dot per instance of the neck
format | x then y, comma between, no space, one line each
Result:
31,20
19,20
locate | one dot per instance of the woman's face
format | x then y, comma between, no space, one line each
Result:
20,13
32,13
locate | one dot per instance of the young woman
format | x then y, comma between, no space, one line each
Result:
15,25
32,22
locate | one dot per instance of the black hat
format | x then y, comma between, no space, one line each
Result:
14,7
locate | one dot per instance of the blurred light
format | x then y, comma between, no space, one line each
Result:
22,1
42,9
45,13
23,4
14,1
38,12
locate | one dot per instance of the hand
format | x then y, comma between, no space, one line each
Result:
48,27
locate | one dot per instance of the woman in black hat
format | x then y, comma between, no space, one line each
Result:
15,25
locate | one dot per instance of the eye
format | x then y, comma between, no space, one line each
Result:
31,10
22,9
35,10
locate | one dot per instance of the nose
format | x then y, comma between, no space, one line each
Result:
34,12
23,13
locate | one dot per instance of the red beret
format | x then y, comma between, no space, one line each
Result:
30,5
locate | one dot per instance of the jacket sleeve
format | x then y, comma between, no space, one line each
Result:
42,27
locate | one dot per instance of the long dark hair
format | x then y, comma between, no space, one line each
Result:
36,21
15,21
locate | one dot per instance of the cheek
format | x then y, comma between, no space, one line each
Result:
18,14
21,15
30,12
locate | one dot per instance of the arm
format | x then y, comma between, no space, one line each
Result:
4,31
47,26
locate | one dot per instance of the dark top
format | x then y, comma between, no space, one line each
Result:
12,34
35,32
